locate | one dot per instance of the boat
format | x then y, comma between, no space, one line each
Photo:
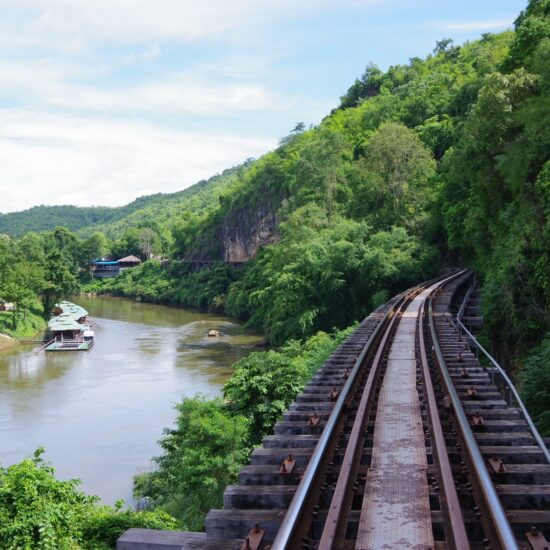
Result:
70,329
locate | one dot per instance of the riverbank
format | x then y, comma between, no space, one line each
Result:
7,342
176,285
29,324
213,438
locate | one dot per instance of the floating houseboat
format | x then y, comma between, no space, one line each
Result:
70,329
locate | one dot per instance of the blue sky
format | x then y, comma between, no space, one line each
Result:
102,101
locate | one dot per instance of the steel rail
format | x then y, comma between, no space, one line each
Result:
509,383
286,531
499,521
334,530
455,528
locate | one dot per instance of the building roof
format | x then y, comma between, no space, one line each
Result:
130,259
68,308
63,322
68,319
104,262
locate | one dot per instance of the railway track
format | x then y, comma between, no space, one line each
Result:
401,440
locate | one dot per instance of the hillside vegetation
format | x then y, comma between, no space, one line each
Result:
442,160
157,210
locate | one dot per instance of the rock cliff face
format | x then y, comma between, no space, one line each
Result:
241,227
246,230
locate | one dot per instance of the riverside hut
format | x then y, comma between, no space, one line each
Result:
129,262
102,269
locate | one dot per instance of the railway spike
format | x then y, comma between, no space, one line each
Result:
254,538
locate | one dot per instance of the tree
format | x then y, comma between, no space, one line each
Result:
58,280
92,248
148,242
200,458
39,511
367,86
535,385
139,241
398,167
20,287
31,248
262,387
320,169
442,45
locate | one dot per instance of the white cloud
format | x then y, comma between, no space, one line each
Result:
57,84
150,53
176,94
141,21
55,159
469,26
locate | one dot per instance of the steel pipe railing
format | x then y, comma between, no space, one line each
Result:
509,384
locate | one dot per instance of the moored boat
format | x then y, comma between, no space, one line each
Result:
70,329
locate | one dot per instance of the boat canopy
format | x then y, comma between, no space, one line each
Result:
62,323
76,312
68,319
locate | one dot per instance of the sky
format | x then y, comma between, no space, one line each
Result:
102,101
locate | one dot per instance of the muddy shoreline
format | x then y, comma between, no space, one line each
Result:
6,342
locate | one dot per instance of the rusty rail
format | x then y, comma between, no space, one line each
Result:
455,530
287,533
334,531
499,522
292,528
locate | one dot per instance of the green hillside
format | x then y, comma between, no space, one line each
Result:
45,218
158,209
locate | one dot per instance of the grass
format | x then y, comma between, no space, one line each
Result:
30,322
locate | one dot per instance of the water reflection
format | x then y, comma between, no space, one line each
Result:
99,413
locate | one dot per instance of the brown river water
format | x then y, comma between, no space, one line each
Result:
99,413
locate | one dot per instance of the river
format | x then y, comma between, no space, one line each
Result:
100,413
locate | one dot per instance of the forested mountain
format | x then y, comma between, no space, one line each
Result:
443,160
159,209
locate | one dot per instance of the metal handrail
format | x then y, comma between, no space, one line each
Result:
495,509
509,383
460,313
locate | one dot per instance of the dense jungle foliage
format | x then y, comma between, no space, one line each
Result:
440,161
37,511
